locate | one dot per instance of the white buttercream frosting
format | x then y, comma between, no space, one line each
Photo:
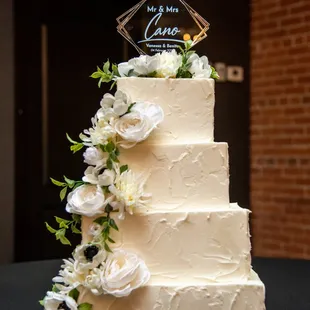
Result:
201,246
214,296
183,176
188,105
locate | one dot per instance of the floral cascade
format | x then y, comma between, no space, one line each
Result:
110,187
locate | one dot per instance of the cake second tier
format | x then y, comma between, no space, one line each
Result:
182,176
201,246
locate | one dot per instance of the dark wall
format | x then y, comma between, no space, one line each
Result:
6,132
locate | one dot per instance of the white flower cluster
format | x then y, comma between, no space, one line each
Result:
165,65
117,274
120,120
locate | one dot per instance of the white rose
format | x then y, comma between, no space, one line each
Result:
124,272
124,68
90,175
200,67
169,63
88,200
144,64
94,156
68,278
88,256
55,301
137,125
129,192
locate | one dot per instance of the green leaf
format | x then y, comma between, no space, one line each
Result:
58,183
64,240
113,84
108,208
110,147
71,183
60,220
214,74
75,230
76,218
130,107
115,69
96,75
41,302
77,184
107,248
74,294
99,82
55,289
63,193
109,163
101,220
63,225
60,233
152,74
76,147
113,224
114,157
50,229
117,152
85,306
71,140
106,67
123,168
111,240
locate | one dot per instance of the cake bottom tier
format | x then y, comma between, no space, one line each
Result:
214,296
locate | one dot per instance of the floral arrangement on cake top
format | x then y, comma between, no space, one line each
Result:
107,191
168,64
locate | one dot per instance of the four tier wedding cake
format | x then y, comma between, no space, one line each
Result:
158,230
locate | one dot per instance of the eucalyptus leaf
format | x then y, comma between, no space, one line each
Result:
63,193
74,294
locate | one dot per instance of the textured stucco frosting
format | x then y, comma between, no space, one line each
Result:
182,176
214,296
194,246
188,105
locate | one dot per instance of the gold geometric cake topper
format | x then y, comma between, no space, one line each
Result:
152,26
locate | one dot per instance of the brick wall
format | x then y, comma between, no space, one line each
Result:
280,130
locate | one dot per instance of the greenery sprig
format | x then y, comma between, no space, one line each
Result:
76,146
113,152
64,224
107,223
107,74
71,184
